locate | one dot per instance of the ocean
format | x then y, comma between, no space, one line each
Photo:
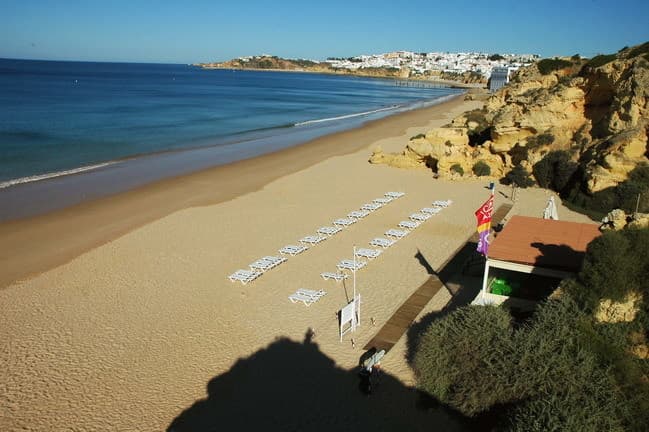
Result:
61,119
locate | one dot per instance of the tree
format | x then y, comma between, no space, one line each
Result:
481,168
555,170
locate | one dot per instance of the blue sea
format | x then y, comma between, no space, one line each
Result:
63,118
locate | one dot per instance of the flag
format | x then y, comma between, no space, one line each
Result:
483,215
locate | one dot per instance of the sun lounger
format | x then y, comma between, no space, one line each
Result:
275,259
372,207
396,233
267,263
311,293
307,300
382,242
293,250
335,276
431,210
408,224
368,253
244,276
358,214
382,200
351,265
420,217
328,230
313,239
394,194
344,221
443,203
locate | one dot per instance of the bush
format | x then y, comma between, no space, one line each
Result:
457,168
459,359
539,140
481,168
639,50
600,60
555,170
518,176
547,66
421,135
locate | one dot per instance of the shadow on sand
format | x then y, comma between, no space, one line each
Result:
291,386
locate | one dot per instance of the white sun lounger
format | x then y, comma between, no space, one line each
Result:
328,230
292,249
244,276
372,207
267,263
298,297
313,239
382,242
275,259
368,253
351,265
431,210
358,214
396,233
443,203
394,194
382,200
335,276
420,217
311,293
344,221
408,224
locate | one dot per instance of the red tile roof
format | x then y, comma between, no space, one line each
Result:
545,243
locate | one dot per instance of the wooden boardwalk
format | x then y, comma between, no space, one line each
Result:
404,316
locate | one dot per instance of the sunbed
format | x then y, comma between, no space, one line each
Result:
394,194
382,200
244,276
382,242
293,250
431,210
335,276
328,230
313,239
396,233
368,253
344,221
358,214
408,224
307,300
372,207
351,264
420,217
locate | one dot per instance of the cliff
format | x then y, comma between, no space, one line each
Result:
579,127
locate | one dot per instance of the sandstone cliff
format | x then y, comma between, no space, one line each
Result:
596,112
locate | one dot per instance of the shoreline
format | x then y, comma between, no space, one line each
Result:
35,244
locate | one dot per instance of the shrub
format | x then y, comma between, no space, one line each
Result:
518,176
600,60
547,66
421,135
555,170
459,360
639,50
539,140
457,168
495,57
481,168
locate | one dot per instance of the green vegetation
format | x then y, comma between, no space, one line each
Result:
600,60
623,196
418,136
540,140
555,170
495,57
481,168
639,50
560,370
546,66
457,168
518,176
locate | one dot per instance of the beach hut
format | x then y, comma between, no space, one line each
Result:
533,246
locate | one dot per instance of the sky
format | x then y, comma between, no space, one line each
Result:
169,31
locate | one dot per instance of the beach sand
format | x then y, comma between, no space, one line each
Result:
124,318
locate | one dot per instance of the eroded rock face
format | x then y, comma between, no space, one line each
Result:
599,115
617,219
609,311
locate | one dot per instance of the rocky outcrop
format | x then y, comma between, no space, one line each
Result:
617,219
596,110
610,311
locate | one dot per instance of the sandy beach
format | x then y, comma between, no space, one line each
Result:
118,314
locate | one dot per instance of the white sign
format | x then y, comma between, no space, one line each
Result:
347,316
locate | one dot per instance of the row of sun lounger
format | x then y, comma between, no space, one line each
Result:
266,263
392,235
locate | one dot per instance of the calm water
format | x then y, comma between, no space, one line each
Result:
60,118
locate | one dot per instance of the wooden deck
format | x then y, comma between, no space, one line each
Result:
404,316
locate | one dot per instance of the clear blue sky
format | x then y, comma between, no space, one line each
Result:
199,31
